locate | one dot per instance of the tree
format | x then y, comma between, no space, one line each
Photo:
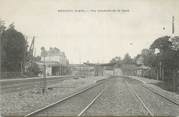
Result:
167,58
2,26
14,49
37,58
127,65
166,54
175,43
149,57
175,47
127,59
116,60
33,70
128,69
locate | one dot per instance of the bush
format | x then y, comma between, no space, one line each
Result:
33,70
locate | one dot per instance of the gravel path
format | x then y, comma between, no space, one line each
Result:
26,101
116,101
157,105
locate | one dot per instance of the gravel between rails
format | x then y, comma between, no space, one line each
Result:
158,105
116,100
74,105
26,101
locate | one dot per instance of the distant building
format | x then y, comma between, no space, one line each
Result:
56,62
140,60
141,69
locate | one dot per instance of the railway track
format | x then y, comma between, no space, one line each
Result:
13,85
28,85
75,95
158,94
139,98
143,84
89,105
166,100
3,81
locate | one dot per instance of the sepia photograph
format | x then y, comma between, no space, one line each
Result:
89,58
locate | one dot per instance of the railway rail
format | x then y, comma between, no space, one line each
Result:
158,94
131,86
34,78
167,100
89,105
140,99
36,112
13,85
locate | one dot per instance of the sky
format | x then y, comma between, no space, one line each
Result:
94,36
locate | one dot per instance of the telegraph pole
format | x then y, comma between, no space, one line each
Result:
44,54
44,76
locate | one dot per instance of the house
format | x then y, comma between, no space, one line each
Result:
142,70
55,62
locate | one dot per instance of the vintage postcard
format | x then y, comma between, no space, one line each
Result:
89,58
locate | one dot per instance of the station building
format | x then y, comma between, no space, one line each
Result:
55,61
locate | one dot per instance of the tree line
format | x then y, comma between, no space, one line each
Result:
14,50
162,57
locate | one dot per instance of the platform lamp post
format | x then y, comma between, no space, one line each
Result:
44,54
